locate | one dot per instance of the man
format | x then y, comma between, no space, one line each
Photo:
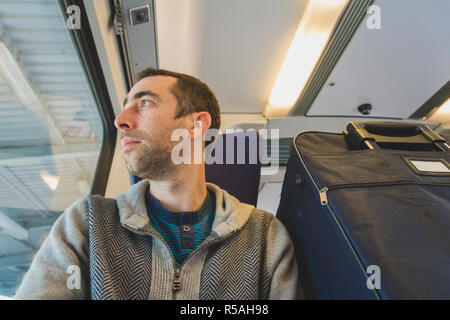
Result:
172,235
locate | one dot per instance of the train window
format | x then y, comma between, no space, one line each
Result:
51,130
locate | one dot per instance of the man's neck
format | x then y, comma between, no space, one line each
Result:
186,192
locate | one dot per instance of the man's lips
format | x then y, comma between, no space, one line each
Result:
128,142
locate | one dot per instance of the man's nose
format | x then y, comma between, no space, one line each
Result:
125,120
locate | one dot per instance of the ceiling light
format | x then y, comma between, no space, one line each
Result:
441,114
50,180
316,26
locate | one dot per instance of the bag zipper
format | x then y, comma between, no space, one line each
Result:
323,192
323,197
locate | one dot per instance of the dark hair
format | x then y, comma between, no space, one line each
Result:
192,95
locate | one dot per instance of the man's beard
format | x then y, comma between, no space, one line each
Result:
154,163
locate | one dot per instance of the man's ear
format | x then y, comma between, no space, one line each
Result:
201,120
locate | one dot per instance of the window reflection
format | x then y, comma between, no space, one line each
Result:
50,130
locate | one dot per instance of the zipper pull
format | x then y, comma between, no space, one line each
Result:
323,196
177,281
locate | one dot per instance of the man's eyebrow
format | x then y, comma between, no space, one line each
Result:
140,94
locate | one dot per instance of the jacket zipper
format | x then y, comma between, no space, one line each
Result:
323,192
176,284
176,281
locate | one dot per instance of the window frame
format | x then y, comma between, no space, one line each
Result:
87,52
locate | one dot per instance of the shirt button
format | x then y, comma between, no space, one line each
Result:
186,228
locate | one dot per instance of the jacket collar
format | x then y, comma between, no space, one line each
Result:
230,215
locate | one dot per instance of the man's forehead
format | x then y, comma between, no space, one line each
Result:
157,86
154,83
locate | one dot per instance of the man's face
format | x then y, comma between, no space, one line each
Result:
146,125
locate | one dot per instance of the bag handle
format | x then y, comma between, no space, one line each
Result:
393,135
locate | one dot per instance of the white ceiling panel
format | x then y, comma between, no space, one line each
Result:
396,68
235,46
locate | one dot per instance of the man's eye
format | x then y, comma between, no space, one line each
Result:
145,103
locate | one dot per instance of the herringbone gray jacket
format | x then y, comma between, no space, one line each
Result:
103,248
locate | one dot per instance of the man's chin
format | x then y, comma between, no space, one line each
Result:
151,171
151,175
146,163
